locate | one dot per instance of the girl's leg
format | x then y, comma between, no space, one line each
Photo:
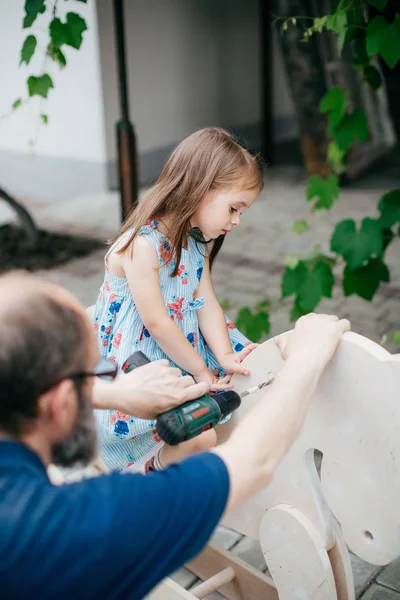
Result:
172,454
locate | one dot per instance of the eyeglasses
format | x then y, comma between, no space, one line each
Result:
104,369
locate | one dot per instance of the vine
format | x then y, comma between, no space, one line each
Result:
61,34
358,249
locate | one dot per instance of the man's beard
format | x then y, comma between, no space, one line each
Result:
79,448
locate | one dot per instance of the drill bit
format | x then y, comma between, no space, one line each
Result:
260,386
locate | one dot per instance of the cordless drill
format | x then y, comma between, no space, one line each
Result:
193,417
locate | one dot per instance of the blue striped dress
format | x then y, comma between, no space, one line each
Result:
125,440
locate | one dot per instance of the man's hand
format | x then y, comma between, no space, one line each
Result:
314,340
148,391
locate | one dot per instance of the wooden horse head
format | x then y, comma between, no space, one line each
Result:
354,420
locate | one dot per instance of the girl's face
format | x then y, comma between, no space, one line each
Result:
220,211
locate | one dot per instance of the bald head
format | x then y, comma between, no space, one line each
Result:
45,335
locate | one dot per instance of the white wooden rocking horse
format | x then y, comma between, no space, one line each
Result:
304,522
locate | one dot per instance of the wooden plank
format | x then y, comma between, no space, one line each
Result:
249,584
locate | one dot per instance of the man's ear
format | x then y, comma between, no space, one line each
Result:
58,408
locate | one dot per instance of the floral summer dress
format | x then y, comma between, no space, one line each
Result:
128,441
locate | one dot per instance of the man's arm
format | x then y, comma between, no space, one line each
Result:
263,437
147,391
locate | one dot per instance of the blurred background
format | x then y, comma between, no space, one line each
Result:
238,64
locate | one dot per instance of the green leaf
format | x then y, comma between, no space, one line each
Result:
300,226
366,280
252,324
56,55
334,103
308,284
40,86
354,126
309,293
244,317
373,77
32,9
378,4
337,22
16,104
293,278
384,38
387,239
327,191
389,207
323,272
357,246
319,24
335,157
58,33
396,337
291,262
69,33
28,49
317,284
45,119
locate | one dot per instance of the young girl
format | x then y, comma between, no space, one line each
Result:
157,294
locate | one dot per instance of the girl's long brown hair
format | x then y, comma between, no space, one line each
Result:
207,160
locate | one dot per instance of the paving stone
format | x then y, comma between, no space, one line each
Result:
250,551
363,573
185,578
226,538
377,592
390,575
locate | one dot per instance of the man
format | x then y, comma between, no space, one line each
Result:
117,536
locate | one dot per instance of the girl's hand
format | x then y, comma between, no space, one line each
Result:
231,362
215,383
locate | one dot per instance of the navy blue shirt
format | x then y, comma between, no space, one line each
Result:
110,537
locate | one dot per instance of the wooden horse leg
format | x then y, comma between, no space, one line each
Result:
296,555
341,566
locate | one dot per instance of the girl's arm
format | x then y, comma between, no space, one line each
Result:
141,271
214,328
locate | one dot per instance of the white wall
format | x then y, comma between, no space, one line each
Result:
191,63
74,106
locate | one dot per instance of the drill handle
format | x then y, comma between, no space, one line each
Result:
135,360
